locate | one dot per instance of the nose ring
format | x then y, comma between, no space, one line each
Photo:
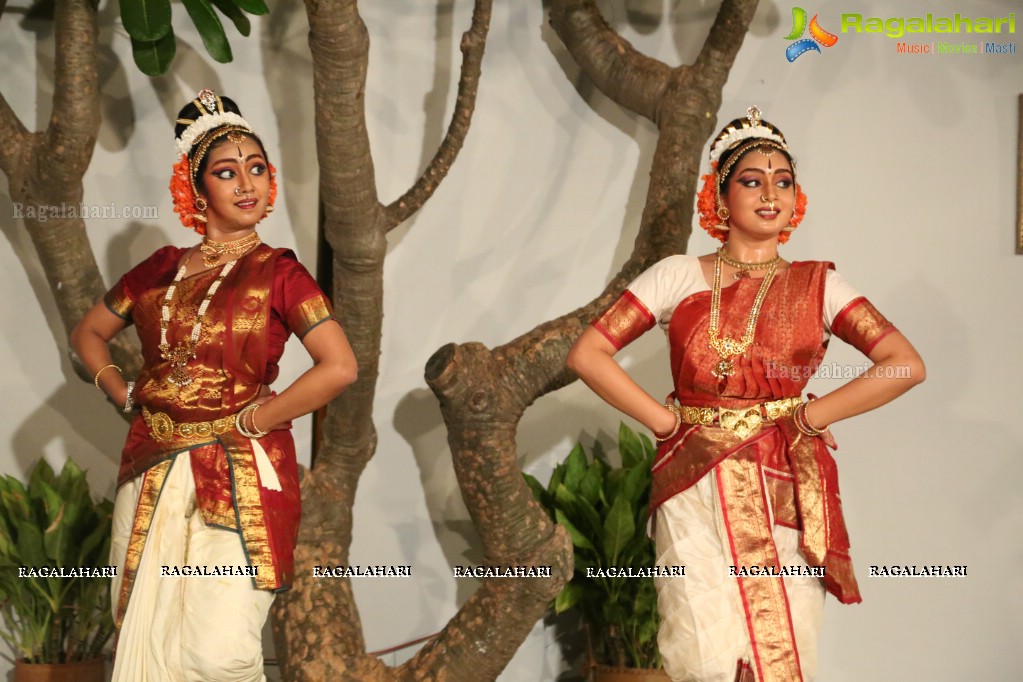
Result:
238,191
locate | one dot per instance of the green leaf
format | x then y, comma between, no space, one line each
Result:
256,7
146,20
232,11
619,527
635,488
15,500
578,539
557,476
615,480
534,486
591,483
154,57
579,510
30,544
94,548
649,450
569,596
43,472
60,535
630,447
575,467
208,23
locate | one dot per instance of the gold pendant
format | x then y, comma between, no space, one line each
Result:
178,358
740,274
723,369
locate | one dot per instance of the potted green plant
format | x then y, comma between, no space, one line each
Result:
59,622
604,510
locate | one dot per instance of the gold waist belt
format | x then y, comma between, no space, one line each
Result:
743,420
163,428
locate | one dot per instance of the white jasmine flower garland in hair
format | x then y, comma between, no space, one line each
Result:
741,134
204,124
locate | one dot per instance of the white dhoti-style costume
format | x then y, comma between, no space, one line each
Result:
157,643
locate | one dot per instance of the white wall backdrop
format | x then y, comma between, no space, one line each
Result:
910,165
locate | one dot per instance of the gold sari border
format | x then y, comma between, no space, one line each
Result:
249,516
625,321
673,475
149,497
748,525
825,540
118,302
861,325
131,473
308,314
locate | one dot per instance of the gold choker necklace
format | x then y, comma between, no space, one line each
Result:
212,251
743,267
726,346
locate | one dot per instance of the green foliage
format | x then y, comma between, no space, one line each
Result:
153,45
604,510
53,522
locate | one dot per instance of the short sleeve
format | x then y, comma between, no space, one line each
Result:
851,317
838,293
121,298
298,299
650,299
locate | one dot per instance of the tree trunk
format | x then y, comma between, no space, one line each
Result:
45,170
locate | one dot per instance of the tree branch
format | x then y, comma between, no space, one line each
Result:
725,38
630,78
74,122
474,41
15,140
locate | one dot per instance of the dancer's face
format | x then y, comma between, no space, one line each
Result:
237,187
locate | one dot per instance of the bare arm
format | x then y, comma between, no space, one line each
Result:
897,368
90,339
333,370
592,358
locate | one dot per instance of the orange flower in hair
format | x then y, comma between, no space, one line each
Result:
271,197
797,214
707,205
184,197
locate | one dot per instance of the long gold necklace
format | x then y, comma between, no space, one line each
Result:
212,251
727,347
743,268
179,356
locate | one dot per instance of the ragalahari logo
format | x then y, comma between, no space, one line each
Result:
817,35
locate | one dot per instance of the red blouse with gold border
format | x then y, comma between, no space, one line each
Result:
776,473
789,334
266,297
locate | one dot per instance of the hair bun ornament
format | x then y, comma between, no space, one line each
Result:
737,131
211,115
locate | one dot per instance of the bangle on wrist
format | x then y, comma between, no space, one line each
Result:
252,422
673,408
803,424
239,422
95,379
129,401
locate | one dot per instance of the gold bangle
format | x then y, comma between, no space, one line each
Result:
803,424
673,408
95,379
806,419
259,433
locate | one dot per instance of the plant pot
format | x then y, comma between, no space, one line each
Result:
93,670
604,673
